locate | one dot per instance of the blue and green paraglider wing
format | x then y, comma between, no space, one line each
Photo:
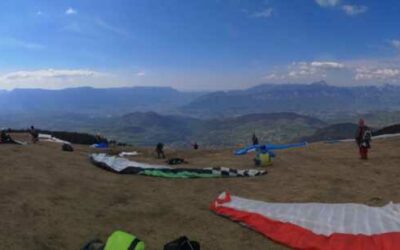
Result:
268,147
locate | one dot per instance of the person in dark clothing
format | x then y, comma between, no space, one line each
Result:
101,139
363,139
254,139
5,138
195,146
34,134
160,151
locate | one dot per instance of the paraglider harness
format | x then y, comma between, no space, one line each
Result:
263,157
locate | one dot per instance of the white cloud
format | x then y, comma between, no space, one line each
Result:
352,72
266,13
141,73
11,42
395,44
274,77
298,69
313,68
49,73
54,78
327,65
307,71
382,74
115,29
327,3
353,10
71,11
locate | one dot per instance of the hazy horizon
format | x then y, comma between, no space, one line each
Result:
209,89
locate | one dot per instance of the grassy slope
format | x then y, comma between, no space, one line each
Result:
58,200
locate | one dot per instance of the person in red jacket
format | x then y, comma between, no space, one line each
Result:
363,139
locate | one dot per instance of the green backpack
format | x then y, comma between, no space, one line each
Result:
123,241
116,241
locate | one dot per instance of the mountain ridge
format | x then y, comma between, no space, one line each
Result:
317,99
90,100
311,99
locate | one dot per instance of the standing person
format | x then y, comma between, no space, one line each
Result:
160,151
254,139
98,138
34,134
195,146
363,139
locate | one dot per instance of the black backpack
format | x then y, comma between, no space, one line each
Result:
367,136
176,161
67,147
182,243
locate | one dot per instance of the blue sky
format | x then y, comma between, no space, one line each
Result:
197,44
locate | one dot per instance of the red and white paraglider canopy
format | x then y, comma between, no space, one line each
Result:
313,226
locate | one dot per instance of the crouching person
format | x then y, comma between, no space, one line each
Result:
6,138
263,158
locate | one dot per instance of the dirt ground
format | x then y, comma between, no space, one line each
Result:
52,199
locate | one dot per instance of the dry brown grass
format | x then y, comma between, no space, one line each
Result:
52,199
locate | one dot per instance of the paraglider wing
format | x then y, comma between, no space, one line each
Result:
268,147
245,150
284,146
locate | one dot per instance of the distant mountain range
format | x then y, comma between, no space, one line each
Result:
86,100
317,99
147,115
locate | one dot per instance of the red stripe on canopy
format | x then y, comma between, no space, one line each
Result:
298,237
